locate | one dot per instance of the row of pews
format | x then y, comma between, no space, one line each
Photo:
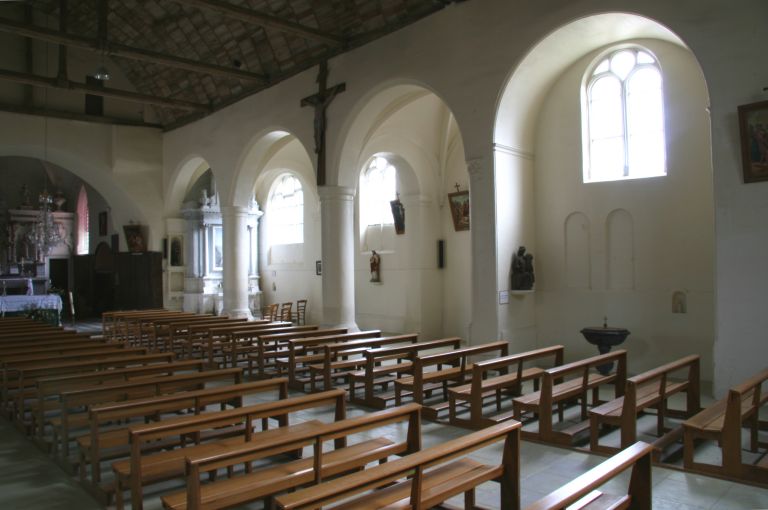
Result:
163,396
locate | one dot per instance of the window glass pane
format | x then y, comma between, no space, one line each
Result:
602,67
285,212
622,63
645,123
377,187
607,159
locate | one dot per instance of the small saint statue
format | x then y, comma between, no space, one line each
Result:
375,264
522,270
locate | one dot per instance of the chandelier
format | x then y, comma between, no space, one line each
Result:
45,234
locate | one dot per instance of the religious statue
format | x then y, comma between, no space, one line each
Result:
26,201
375,265
398,215
522,270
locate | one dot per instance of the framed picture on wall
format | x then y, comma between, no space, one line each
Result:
753,127
459,201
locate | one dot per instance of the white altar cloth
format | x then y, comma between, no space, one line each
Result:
22,303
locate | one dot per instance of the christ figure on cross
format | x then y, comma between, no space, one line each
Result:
320,102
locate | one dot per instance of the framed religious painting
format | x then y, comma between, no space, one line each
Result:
459,202
217,248
753,127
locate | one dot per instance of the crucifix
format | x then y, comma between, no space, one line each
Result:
320,102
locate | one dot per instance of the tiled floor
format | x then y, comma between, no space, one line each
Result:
30,480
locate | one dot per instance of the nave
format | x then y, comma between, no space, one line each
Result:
541,467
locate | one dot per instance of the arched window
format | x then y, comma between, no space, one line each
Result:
83,232
624,135
378,185
285,212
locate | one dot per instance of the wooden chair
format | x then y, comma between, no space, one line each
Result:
269,312
301,311
285,311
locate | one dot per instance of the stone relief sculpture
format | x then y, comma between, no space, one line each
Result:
522,270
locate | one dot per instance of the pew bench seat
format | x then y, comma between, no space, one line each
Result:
281,477
567,390
170,464
493,384
647,396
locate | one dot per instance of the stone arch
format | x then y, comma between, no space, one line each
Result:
185,174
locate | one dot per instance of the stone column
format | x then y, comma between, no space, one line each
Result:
482,199
338,252
236,261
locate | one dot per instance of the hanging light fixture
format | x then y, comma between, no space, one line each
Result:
102,73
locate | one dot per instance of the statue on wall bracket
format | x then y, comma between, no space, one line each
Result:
522,270
398,215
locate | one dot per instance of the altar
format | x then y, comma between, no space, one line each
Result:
47,306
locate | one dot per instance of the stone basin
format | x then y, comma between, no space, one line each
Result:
604,338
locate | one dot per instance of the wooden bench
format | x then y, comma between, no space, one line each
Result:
141,470
449,368
202,340
424,479
163,330
75,404
300,353
242,340
339,360
511,374
723,422
179,335
20,378
572,381
106,441
136,327
650,389
271,347
283,476
583,489
47,392
378,371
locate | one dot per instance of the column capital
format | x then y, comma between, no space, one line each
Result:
234,210
328,193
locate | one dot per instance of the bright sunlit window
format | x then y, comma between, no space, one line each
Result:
285,212
624,136
378,185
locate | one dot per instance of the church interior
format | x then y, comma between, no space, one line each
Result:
576,185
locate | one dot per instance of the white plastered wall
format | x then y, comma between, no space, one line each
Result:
666,226
466,54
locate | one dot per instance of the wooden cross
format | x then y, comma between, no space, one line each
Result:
457,187
320,102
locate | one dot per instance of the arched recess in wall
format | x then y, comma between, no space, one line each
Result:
287,270
23,173
620,250
538,142
578,271
416,132
186,173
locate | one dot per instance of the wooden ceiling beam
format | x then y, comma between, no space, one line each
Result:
58,114
120,50
125,95
265,20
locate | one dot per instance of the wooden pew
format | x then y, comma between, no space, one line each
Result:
408,483
18,379
141,470
75,404
230,342
131,327
202,338
271,347
723,422
650,389
109,320
180,334
162,329
378,372
638,496
282,476
106,441
301,352
47,392
449,368
511,374
340,359
558,388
